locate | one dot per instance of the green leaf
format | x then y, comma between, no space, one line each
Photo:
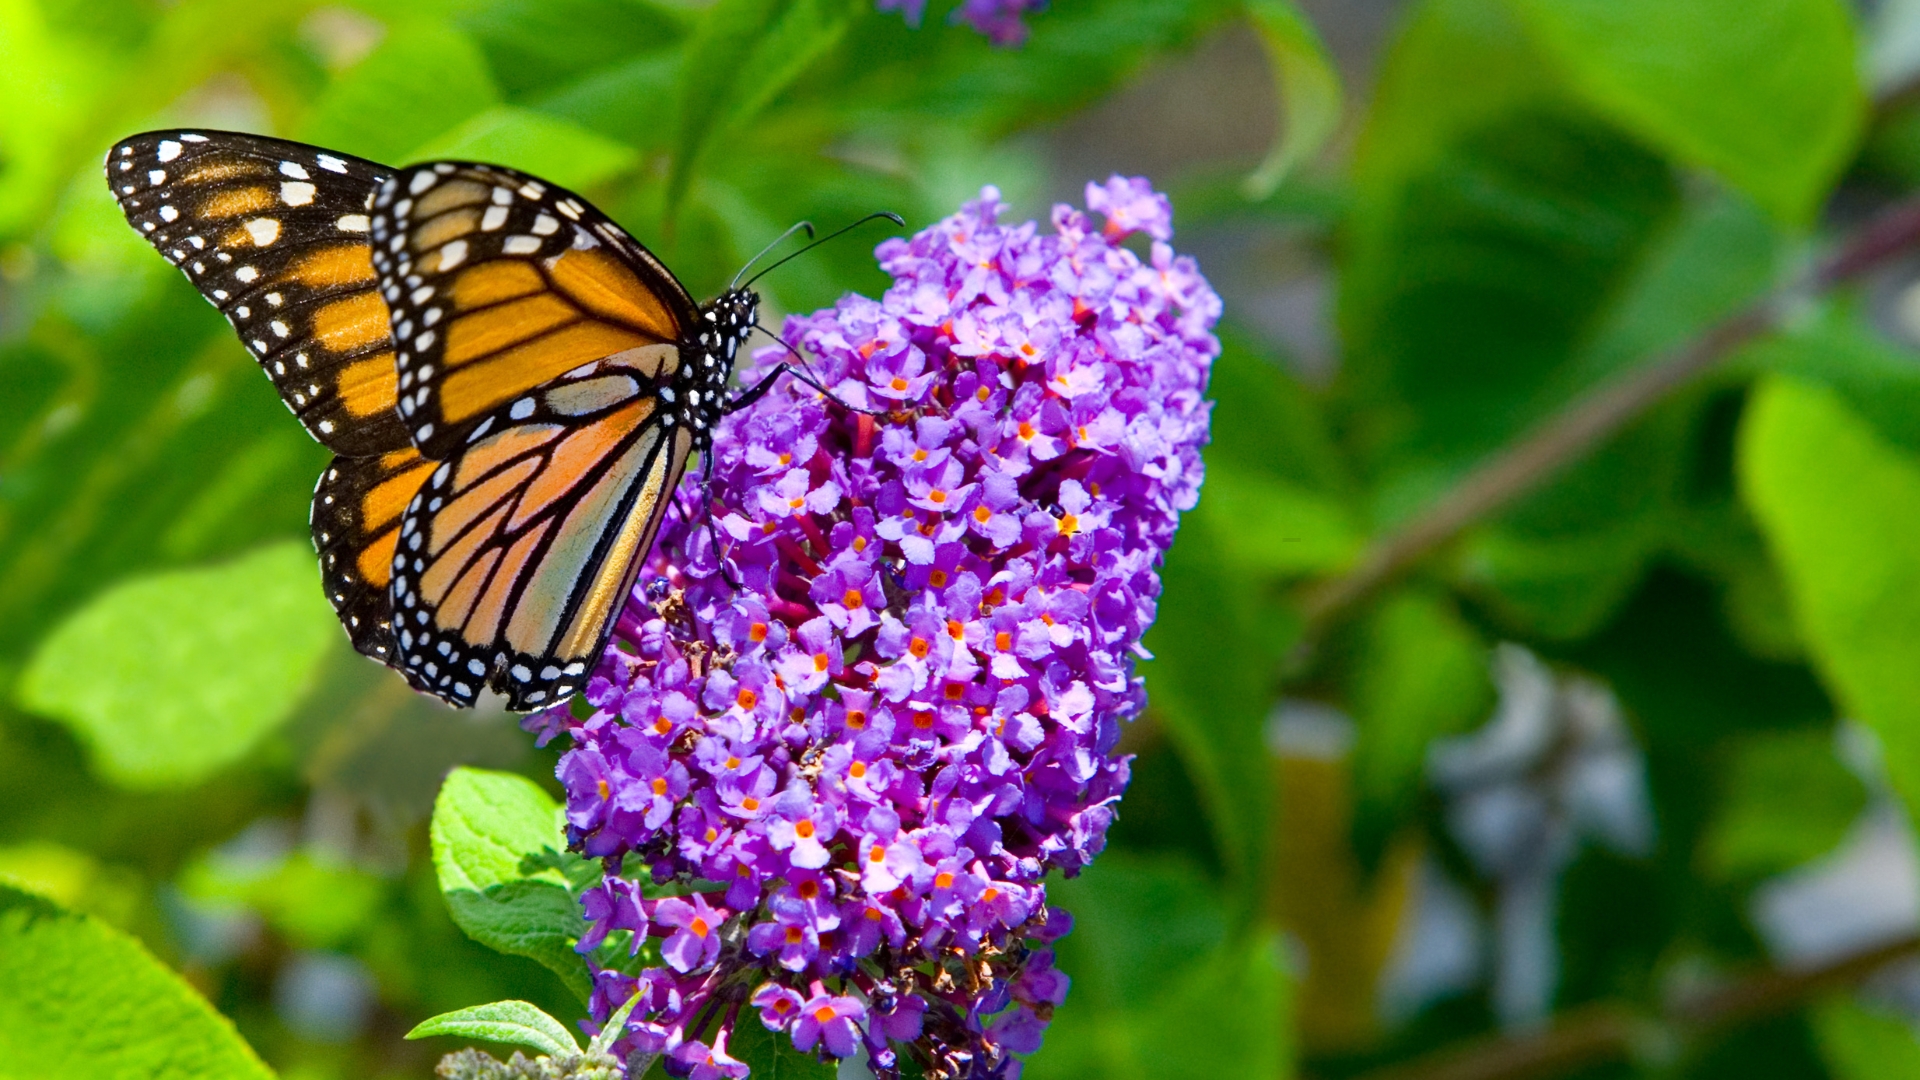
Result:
535,45
1787,799
422,81
497,847
558,150
80,999
1764,92
1493,222
1162,988
1840,508
1841,349
170,677
1309,89
316,902
516,1023
1865,1042
1419,673
1217,644
1272,529
744,53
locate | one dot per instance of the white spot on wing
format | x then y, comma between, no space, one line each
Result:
495,217
352,223
168,150
295,170
546,225
422,181
263,230
521,245
453,253
331,163
245,274
296,193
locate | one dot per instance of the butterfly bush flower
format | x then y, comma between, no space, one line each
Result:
832,793
999,20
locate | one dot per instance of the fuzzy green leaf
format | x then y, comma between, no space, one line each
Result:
516,1023
496,839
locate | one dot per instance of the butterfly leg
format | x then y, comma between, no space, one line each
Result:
759,390
706,509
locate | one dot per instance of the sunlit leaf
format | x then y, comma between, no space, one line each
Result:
80,999
170,677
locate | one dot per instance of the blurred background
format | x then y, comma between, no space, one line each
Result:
1598,762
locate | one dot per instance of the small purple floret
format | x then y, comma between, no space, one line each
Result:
856,769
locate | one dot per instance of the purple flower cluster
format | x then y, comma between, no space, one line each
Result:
999,20
832,793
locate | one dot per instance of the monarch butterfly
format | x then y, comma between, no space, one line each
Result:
511,384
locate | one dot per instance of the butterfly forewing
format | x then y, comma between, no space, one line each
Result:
275,234
499,283
515,557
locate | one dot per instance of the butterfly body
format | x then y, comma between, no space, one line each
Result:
512,384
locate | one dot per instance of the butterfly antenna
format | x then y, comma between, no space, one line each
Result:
877,214
777,241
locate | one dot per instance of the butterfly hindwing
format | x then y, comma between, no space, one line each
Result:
275,235
356,521
517,554
500,282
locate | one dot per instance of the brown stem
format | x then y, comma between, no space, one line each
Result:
1603,1033
1568,435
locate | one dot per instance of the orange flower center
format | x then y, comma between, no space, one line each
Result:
919,454
937,578
851,601
918,647
857,770
981,514
819,661
733,762
804,829
936,496
955,630
923,720
602,786
750,803
1069,524
898,383
1003,641
757,632
943,880
659,785
1026,431
699,927
747,699
824,1013
662,726
878,854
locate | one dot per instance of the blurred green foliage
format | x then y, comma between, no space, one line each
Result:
1526,200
